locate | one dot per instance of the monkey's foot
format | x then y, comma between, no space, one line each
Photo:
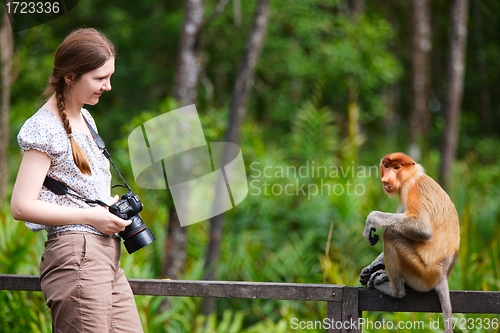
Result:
367,272
378,278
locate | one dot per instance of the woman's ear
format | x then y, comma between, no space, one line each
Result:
70,79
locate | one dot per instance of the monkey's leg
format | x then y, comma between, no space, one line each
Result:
390,281
393,286
367,272
444,297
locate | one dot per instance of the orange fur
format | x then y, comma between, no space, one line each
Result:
422,239
420,196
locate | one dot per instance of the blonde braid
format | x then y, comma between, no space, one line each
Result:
78,154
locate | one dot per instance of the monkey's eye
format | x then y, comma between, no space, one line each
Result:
396,167
386,166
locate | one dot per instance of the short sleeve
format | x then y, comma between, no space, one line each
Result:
42,133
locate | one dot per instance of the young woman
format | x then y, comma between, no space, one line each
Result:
80,273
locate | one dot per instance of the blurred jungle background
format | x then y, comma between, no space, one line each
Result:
314,84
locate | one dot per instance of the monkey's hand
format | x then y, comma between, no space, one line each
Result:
371,224
372,240
367,233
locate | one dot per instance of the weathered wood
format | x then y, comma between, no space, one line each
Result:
234,289
350,310
220,289
342,301
19,282
461,301
334,314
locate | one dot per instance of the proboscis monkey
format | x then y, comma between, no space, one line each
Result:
421,240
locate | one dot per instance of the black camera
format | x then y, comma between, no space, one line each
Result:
136,235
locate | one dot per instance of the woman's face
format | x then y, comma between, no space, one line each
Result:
91,85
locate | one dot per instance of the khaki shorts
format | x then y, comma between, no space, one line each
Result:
84,286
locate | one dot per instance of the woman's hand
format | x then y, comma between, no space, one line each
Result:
100,218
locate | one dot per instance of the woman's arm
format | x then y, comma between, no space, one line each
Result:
25,205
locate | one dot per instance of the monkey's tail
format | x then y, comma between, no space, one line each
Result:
444,298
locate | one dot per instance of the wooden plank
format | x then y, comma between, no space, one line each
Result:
461,301
19,282
350,311
236,289
369,299
223,289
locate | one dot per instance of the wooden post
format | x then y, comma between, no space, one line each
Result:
343,317
334,314
350,310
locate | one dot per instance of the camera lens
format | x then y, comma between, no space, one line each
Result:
136,235
138,241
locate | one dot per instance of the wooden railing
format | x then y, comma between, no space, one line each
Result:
345,305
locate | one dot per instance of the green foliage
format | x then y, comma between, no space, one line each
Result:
314,134
319,105
309,43
20,250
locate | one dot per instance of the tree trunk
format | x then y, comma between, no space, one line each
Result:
358,7
7,49
186,86
420,59
482,68
391,97
353,110
188,61
456,71
245,77
237,13
174,247
241,92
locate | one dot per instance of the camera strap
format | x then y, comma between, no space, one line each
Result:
102,146
60,188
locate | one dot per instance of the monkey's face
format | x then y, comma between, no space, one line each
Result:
390,179
394,170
